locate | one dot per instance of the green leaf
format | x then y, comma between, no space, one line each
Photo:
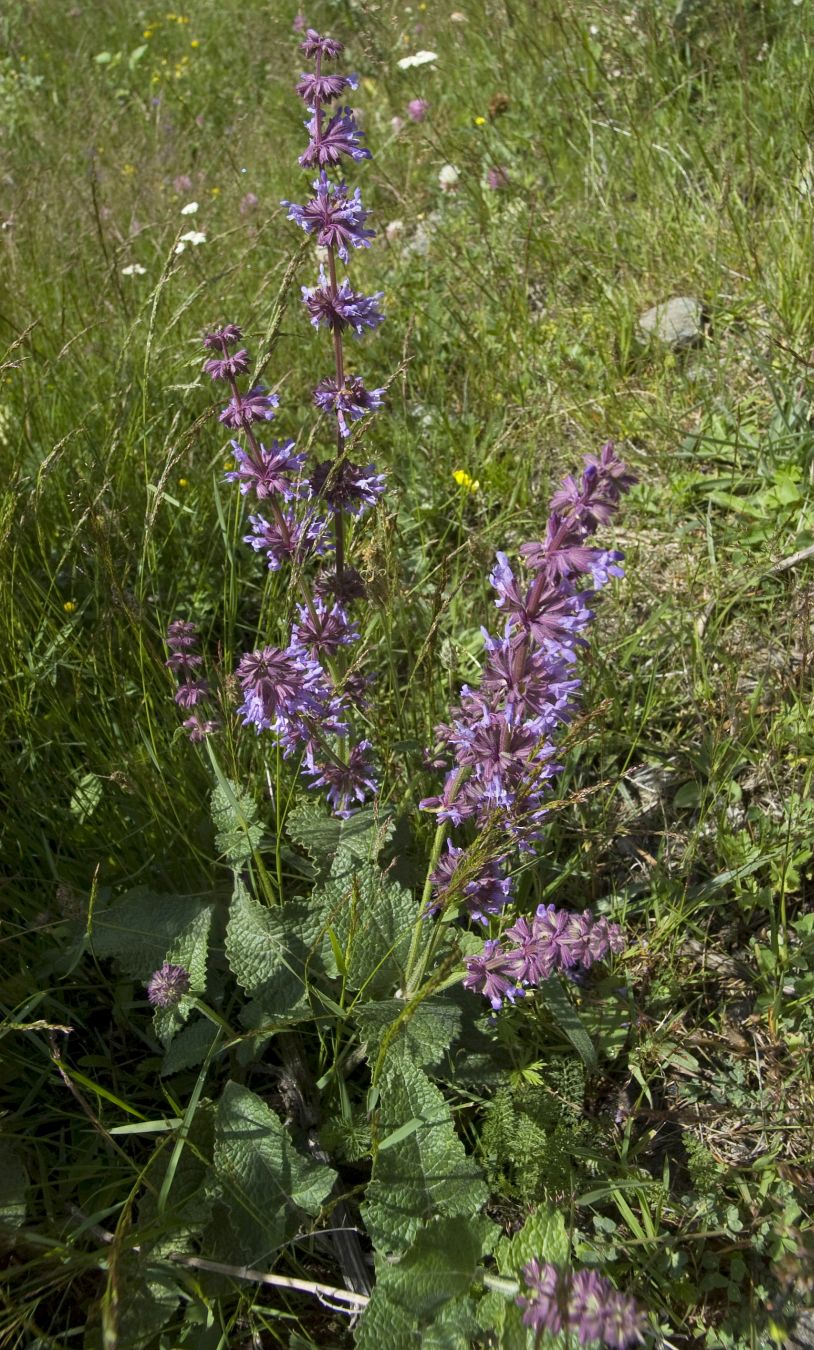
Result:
360,837
147,1296
411,1294
568,1020
13,1183
141,928
258,949
429,1174
428,1034
136,55
268,1186
372,919
234,813
86,797
542,1236
190,1047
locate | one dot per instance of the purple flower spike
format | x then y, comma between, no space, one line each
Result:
583,1302
256,406
347,487
542,1307
322,88
497,178
190,693
350,400
182,635
167,986
343,308
335,218
270,473
314,45
329,143
484,894
347,784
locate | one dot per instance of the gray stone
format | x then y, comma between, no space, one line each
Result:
677,322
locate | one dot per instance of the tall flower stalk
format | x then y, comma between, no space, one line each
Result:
299,692
502,739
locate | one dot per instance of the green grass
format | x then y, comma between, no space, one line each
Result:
651,152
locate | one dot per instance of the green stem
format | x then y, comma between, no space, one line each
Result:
426,895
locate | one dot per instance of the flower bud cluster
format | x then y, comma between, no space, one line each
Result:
502,736
185,659
581,1302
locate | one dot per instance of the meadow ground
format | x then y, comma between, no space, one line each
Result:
661,1118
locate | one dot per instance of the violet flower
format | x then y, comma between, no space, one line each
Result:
335,218
349,399
342,307
583,1302
330,142
243,409
168,985
270,473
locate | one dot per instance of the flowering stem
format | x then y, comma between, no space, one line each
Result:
339,363
426,895
279,518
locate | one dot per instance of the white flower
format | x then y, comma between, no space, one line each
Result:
194,237
393,230
397,124
417,59
457,17
189,209
134,270
448,178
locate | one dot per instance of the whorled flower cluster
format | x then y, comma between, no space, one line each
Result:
299,692
168,985
582,1303
501,738
186,660
554,941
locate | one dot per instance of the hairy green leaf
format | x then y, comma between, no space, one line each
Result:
268,1186
190,1047
234,813
142,930
371,920
412,1294
259,952
428,1034
428,1174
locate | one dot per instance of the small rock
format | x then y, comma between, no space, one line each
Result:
678,322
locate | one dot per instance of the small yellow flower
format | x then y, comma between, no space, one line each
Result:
148,33
183,18
128,170
214,192
183,482
480,121
69,606
195,42
155,77
228,464
464,480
